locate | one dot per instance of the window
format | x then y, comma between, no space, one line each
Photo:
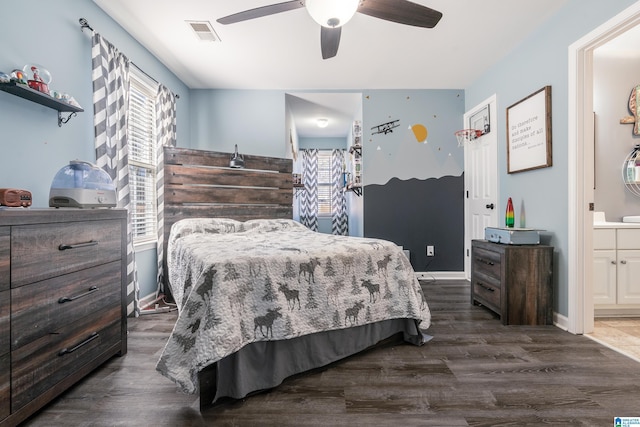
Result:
142,156
325,185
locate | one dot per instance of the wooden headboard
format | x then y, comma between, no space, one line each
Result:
199,183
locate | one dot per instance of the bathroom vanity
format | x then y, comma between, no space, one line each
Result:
616,268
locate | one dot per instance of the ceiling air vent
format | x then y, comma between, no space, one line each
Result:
203,30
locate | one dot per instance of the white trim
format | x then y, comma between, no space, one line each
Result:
145,245
440,275
560,321
580,126
147,299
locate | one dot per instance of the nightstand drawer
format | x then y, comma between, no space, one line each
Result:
43,363
486,262
41,308
487,291
42,251
5,259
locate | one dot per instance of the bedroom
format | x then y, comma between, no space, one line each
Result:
33,154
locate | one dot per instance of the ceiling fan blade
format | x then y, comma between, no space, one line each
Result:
401,11
259,12
329,41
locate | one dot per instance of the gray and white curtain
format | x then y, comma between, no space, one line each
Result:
110,76
309,198
166,133
339,217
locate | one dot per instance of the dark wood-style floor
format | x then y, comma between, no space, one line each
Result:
474,372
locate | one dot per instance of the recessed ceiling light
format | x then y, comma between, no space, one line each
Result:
323,123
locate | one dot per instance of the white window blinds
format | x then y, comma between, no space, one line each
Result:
324,183
142,156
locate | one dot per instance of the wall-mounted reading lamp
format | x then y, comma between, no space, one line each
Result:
236,162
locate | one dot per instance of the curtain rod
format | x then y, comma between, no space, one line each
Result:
84,24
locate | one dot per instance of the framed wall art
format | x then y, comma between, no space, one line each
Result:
529,132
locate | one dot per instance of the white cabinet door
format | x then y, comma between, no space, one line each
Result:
628,276
604,277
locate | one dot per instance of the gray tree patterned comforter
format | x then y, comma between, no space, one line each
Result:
240,282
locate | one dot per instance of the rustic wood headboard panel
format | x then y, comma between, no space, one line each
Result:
199,183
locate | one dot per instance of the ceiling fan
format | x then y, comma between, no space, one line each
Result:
333,14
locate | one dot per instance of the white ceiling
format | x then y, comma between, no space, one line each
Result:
282,51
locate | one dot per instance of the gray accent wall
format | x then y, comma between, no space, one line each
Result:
414,191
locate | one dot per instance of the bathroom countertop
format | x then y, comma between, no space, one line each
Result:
609,224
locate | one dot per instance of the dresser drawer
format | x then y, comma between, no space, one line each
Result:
41,364
42,251
5,386
486,262
5,312
5,251
41,308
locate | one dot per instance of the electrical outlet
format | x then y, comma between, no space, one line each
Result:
430,250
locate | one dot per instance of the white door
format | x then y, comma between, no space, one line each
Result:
480,177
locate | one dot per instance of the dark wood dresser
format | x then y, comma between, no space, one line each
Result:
62,301
514,281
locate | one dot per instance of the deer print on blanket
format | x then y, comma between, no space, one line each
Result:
266,321
308,269
373,288
292,295
382,265
351,313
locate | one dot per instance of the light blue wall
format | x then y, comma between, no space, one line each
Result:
34,148
324,143
253,119
400,155
539,61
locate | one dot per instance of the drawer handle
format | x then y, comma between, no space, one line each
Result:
484,261
91,290
485,287
90,338
64,247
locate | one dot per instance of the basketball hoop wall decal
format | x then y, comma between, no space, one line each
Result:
467,135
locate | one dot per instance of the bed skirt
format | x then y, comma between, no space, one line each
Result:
263,365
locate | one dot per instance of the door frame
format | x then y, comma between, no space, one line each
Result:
581,165
492,103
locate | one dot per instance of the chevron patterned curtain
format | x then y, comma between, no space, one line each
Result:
110,76
339,218
309,198
166,133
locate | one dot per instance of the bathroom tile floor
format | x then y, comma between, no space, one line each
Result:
618,333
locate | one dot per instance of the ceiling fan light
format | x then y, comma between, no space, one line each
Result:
332,13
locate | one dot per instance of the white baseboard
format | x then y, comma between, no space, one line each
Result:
147,299
561,321
440,275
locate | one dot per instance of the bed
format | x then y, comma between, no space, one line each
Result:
260,297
